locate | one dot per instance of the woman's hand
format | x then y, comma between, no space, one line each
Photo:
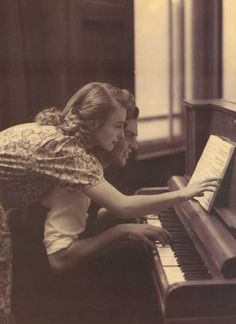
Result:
196,189
145,233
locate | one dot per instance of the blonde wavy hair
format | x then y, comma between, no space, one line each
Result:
87,109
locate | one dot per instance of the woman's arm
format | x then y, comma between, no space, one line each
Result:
83,250
135,206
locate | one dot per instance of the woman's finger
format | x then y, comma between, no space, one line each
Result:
210,188
213,179
213,183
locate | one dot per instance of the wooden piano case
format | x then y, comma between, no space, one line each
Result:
213,234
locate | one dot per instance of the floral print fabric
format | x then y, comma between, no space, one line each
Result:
34,160
5,269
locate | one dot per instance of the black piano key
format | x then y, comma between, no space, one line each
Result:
187,256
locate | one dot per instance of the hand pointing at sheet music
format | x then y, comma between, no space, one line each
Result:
197,188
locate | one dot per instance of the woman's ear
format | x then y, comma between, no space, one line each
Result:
97,124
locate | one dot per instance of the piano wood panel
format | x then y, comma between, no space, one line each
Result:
212,300
205,118
202,300
217,117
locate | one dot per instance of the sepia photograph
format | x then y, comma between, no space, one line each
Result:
117,162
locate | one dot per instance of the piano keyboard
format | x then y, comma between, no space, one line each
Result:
180,259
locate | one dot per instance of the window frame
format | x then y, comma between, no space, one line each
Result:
164,146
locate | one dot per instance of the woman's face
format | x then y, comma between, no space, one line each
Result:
112,129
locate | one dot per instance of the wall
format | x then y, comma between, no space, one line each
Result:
147,173
51,48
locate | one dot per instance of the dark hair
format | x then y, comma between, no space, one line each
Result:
133,114
91,104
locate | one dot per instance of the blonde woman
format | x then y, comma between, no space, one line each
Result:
38,158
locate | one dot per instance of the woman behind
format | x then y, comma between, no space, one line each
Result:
38,158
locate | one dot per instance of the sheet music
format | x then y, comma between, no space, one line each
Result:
212,163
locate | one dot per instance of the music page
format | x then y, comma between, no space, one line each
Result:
212,163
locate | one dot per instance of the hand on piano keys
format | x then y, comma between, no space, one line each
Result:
145,233
179,259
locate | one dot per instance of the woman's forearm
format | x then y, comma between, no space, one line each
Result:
141,205
125,206
134,206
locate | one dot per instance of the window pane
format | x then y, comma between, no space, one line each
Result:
160,129
177,127
159,68
176,53
229,50
151,57
149,130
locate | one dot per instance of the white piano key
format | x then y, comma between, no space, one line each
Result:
173,274
152,216
154,222
166,255
165,250
168,261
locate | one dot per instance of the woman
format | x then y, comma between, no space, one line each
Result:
38,158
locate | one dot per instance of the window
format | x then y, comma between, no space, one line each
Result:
159,75
229,50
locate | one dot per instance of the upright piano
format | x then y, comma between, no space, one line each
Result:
195,276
